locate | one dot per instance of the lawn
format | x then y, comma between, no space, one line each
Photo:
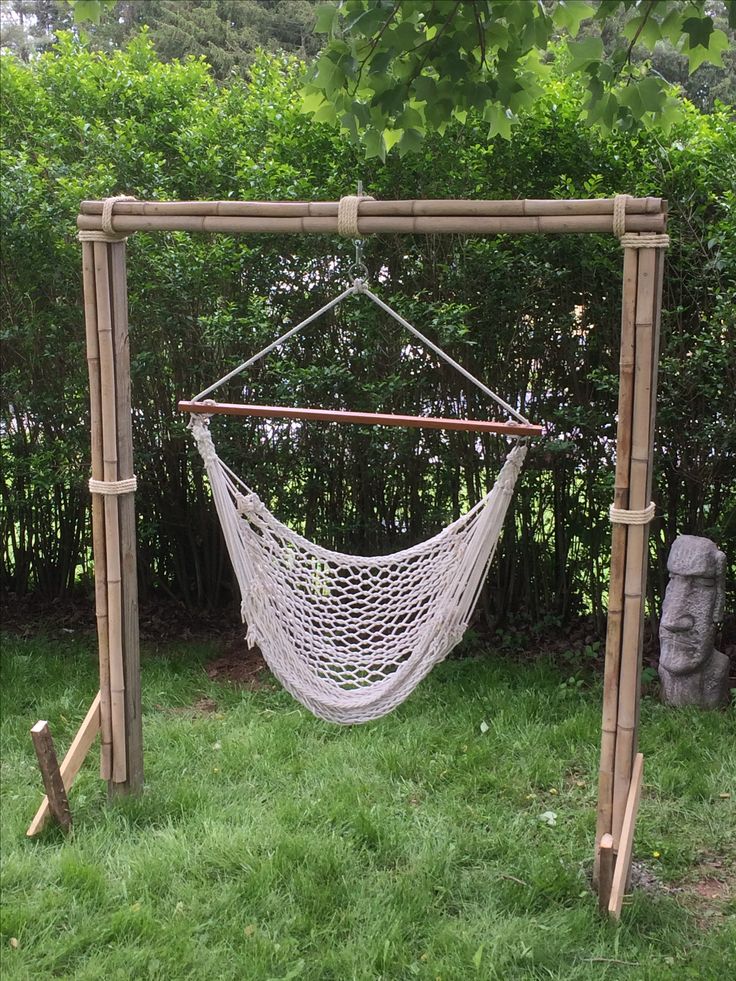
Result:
271,845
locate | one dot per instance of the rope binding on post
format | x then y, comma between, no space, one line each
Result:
108,233
113,487
622,516
347,214
644,240
634,240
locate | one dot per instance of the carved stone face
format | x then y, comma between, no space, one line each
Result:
693,604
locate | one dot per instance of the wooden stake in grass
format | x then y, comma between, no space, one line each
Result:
626,841
71,763
605,871
49,766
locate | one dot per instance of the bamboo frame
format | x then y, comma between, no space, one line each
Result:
361,418
113,518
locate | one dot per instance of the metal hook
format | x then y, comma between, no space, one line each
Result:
359,270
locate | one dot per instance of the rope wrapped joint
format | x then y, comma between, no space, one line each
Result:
113,487
634,240
348,210
623,516
108,233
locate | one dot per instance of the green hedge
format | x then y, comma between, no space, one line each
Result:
536,314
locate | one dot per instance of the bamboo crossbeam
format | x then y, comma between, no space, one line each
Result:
369,208
361,418
561,224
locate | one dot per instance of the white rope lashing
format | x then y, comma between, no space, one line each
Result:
347,214
623,516
634,240
619,214
645,240
108,233
113,487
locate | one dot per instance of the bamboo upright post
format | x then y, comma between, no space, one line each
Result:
618,550
110,503
126,513
643,269
98,514
637,548
113,515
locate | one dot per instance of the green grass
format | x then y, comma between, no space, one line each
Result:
271,845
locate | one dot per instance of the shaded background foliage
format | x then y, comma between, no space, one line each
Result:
538,318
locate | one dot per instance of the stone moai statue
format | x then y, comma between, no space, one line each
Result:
691,670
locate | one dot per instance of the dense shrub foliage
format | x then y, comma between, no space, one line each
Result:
529,314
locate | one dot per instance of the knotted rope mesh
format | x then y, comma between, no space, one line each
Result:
350,636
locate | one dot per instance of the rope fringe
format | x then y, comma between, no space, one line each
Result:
621,516
113,487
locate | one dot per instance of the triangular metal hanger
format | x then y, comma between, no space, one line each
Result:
521,426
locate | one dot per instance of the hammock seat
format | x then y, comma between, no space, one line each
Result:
350,636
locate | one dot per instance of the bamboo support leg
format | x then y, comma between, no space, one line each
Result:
98,514
638,535
126,505
618,551
110,503
623,862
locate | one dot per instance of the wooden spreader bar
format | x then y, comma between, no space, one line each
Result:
361,418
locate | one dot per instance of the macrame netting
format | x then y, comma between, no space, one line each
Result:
350,636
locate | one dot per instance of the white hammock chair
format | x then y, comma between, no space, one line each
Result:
351,636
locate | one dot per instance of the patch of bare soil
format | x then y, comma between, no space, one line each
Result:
203,706
708,891
240,665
